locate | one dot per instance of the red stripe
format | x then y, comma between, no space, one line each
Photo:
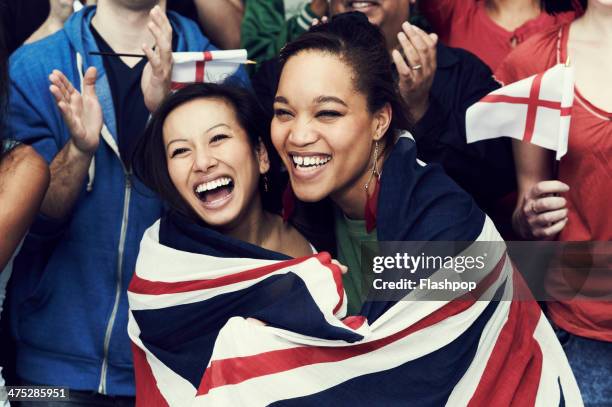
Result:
199,75
236,370
532,107
177,85
354,322
147,393
522,101
208,56
512,374
141,286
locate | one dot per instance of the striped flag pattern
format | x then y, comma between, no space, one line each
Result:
207,66
536,110
194,346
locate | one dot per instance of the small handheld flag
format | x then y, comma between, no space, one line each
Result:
207,66
536,110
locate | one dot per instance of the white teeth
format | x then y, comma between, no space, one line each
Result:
360,4
208,186
312,161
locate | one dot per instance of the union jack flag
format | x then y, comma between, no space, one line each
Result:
193,290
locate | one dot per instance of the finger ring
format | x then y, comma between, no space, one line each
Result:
417,67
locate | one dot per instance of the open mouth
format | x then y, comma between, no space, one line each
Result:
214,191
361,5
310,162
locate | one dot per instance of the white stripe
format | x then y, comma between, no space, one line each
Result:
315,378
555,369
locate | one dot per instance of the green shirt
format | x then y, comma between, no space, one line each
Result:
349,235
264,30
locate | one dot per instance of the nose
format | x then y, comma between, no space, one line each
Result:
204,160
303,133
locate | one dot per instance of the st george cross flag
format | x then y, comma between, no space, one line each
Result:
207,66
536,110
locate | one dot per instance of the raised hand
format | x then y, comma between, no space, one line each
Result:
157,74
416,67
82,113
543,214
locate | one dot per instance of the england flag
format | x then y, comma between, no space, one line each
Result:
536,110
207,66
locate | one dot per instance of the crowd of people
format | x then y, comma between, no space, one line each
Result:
350,128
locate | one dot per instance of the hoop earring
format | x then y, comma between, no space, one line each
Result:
374,172
265,182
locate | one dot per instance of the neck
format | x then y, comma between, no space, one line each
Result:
254,227
511,14
596,22
513,6
124,29
352,199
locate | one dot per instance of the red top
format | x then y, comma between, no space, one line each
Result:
587,169
466,24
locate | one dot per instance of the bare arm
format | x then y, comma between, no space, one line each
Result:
221,21
540,212
83,116
24,177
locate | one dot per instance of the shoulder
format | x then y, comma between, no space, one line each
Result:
420,202
24,167
535,55
33,62
460,60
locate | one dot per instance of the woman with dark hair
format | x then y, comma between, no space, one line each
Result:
203,153
24,177
492,28
570,201
339,129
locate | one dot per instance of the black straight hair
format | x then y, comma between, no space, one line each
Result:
361,45
149,162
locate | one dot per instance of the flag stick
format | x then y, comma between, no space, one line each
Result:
116,54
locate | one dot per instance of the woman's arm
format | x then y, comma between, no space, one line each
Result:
540,212
24,178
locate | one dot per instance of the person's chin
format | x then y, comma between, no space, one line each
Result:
310,193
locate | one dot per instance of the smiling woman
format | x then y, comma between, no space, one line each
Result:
203,153
339,128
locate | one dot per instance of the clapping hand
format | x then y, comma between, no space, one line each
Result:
81,112
157,74
416,66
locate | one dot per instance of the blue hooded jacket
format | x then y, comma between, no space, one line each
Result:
68,299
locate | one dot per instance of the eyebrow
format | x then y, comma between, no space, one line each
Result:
212,128
318,100
328,99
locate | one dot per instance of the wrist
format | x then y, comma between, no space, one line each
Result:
79,153
418,109
519,225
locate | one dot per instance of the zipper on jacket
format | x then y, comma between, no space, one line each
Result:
111,322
